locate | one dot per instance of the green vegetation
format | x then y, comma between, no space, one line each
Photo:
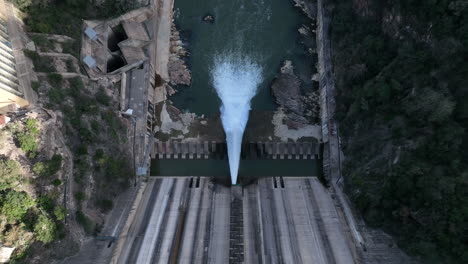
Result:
41,63
9,174
105,205
45,229
102,97
48,168
71,47
89,120
27,137
70,66
55,79
44,43
88,225
56,182
15,204
60,213
80,196
35,86
65,17
403,115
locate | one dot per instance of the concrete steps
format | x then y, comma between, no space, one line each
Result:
251,150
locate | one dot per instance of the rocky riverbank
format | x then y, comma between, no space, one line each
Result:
179,73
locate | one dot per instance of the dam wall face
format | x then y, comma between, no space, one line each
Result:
331,154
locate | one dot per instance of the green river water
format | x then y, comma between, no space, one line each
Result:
265,31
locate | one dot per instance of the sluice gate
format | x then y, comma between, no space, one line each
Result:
250,150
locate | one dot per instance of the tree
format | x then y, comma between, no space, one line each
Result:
45,229
9,174
27,141
39,168
27,137
16,204
49,167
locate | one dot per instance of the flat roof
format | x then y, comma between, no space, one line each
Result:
89,61
91,33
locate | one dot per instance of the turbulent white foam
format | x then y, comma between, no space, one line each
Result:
235,80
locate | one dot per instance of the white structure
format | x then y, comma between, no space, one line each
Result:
8,77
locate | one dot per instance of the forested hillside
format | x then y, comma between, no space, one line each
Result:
401,71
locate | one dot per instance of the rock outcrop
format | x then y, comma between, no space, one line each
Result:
286,89
179,74
209,18
308,7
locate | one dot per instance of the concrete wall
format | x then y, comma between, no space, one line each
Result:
332,152
8,100
331,157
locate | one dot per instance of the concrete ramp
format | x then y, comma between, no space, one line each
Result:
276,220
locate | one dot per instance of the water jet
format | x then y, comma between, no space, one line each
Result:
235,79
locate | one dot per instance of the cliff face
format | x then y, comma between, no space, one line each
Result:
400,69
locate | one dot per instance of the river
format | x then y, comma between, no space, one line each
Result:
263,31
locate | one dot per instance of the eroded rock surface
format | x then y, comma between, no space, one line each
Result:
178,73
178,70
286,89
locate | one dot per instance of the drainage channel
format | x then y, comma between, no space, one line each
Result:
236,227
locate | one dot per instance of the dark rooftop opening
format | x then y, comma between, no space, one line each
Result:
115,63
116,36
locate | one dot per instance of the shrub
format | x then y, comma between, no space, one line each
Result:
71,47
39,40
35,85
102,97
57,182
99,154
80,196
70,66
88,225
55,164
76,85
55,79
82,150
27,138
31,126
41,64
39,168
60,213
55,96
27,141
46,202
105,205
49,167
94,125
34,56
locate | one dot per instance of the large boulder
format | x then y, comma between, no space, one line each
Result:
209,18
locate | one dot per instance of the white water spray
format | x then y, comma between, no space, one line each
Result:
235,80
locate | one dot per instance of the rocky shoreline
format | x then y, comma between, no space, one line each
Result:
298,108
179,73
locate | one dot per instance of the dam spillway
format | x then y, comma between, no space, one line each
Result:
210,223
